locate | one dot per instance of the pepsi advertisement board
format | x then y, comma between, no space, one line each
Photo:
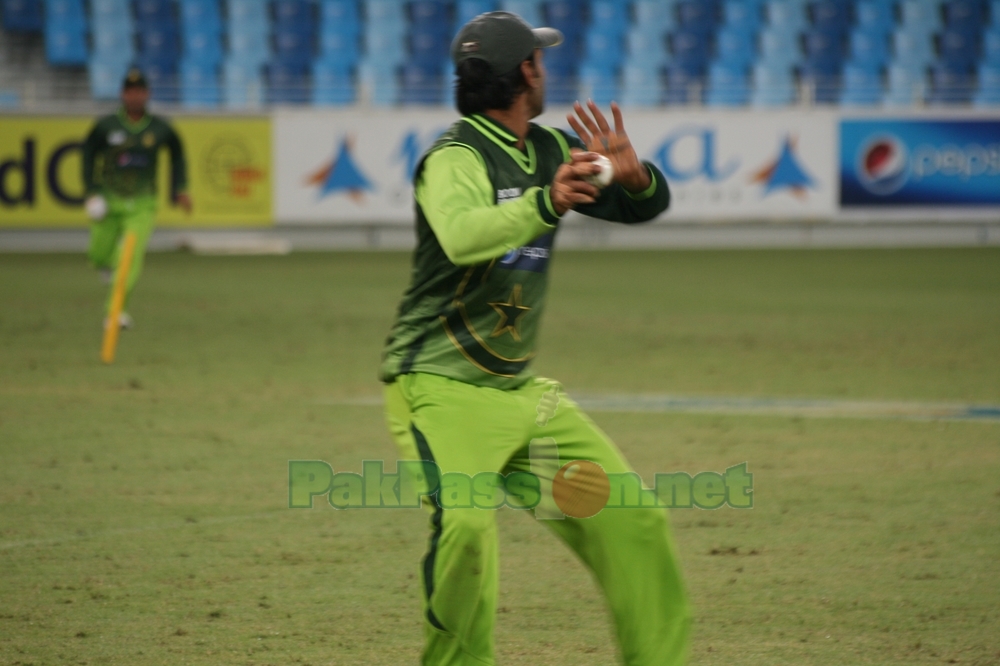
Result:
920,162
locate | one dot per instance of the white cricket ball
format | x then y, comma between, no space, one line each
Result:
603,178
96,206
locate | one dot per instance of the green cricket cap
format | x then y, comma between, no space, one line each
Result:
502,40
135,79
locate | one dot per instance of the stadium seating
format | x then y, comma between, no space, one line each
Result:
774,85
647,52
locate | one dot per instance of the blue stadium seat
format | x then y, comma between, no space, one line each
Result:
159,42
683,85
429,49
65,44
727,85
823,47
786,16
243,85
995,12
830,15
152,12
293,45
989,86
201,15
340,14
735,47
991,46
380,82
920,15
200,84
248,16
338,46
912,47
950,84
655,15
385,12
696,16
564,15
428,15
963,15
293,14
111,16
22,15
333,84
642,86
690,49
112,44
562,87
287,82
907,84
823,76
421,85
563,60
603,51
958,49
250,47
773,85
106,75
779,48
466,10
862,85
202,46
609,16
162,78
868,45
599,84
875,15
64,11
742,14
529,10
645,46
383,48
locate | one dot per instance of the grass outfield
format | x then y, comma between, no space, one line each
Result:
143,513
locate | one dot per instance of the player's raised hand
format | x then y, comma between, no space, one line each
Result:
614,144
569,189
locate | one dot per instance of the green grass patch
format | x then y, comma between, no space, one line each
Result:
143,513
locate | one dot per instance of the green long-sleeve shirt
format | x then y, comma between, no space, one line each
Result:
119,156
485,228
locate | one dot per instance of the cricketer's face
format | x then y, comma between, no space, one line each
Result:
134,99
536,97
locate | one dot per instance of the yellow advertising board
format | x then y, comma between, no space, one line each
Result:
228,160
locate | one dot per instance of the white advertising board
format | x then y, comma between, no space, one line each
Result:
349,167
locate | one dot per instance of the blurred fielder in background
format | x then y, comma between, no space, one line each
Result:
489,197
119,175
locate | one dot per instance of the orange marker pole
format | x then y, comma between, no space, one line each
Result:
111,327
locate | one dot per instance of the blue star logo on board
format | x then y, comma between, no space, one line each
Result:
341,175
785,172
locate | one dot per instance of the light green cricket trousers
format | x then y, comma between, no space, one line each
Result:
137,215
472,429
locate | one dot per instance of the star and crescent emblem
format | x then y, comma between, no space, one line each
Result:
511,312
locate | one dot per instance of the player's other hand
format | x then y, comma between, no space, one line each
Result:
614,144
184,201
569,189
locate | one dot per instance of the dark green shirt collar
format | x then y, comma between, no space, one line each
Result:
136,126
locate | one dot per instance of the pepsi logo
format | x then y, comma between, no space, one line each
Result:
883,165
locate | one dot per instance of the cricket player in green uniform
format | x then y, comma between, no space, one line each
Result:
119,174
489,197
